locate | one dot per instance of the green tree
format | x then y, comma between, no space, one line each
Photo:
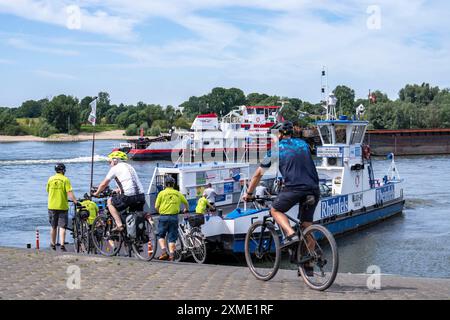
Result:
380,97
220,101
8,123
170,114
346,100
289,113
62,112
154,131
254,99
296,104
132,130
103,105
182,123
311,108
422,94
45,130
31,108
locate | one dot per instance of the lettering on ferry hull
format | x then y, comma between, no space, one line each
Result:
384,194
334,206
357,199
330,152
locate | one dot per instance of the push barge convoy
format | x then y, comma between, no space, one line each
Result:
409,141
243,132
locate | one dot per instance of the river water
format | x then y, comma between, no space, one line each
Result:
416,243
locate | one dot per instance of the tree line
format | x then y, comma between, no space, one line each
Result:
417,106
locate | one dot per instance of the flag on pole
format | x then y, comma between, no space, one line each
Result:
93,115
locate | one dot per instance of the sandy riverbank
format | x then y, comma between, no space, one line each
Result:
106,135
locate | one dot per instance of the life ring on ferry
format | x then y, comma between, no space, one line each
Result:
366,152
258,119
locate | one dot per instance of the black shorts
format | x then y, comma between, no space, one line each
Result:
58,218
289,198
122,202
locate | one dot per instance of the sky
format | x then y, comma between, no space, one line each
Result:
164,51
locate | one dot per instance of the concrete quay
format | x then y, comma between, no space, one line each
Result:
42,275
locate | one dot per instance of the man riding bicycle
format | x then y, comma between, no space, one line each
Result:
130,193
301,181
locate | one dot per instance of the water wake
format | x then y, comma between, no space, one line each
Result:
413,203
97,158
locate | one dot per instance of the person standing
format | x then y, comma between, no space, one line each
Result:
168,205
210,194
261,192
202,205
59,189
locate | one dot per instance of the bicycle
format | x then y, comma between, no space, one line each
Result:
109,243
316,249
81,232
191,240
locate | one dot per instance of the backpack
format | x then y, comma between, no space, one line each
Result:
136,228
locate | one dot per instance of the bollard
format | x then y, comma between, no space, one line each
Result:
37,238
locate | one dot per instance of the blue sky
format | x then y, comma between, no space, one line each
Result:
164,51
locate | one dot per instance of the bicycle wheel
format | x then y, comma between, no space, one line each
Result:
198,246
179,249
318,258
76,236
106,242
146,251
262,250
84,237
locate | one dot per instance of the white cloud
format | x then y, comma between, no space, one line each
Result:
26,45
6,61
52,12
54,75
281,49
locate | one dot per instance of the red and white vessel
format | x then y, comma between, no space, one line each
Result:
241,135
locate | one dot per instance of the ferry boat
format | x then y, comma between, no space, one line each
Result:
240,135
351,198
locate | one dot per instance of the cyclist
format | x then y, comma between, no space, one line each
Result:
58,189
130,193
168,205
301,181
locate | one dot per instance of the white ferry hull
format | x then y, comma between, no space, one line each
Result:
229,233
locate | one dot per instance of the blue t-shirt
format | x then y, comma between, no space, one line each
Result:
295,163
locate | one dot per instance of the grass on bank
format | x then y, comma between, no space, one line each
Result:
99,127
32,126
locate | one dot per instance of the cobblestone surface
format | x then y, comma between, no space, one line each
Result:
27,274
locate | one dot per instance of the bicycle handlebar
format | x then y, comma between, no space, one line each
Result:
104,194
253,199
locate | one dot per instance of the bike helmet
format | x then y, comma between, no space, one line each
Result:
285,128
120,155
60,168
169,181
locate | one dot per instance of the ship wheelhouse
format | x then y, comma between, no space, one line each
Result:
342,166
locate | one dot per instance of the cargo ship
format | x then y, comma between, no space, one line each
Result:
409,141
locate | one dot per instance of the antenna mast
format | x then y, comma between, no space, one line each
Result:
328,99
324,84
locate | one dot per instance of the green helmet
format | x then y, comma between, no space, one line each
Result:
118,155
